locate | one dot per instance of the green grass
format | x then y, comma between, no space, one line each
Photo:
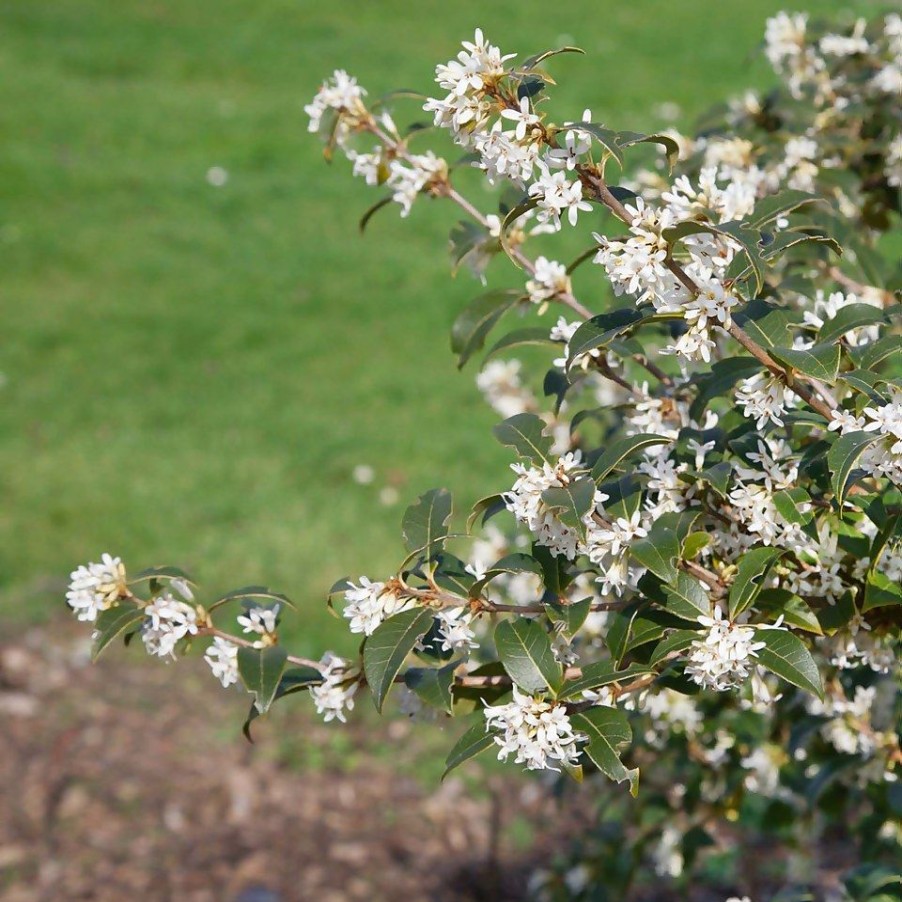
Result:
193,372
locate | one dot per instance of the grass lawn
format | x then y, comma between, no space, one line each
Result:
192,372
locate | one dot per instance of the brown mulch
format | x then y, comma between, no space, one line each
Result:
127,780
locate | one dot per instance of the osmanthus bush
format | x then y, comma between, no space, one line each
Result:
695,569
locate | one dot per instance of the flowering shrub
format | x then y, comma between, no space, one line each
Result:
696,570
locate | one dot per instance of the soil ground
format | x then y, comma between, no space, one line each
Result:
129,780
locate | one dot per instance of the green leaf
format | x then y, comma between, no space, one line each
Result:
678,640
432,685
787,656
658,552
486,508
671,148
718,477
372,211
687,597
694,544
754,566
531,336
569,617
850,317
525,651
572,502
606,137
796,612
112,623
623,448
601,330
425,523
532,61
775,206
790,503
161,573
475,740
527,204
820,362
261,592
511,563
608,730
297,679
880,591
261,671
385,651
525,433
472,326
875,353
602,673
843,457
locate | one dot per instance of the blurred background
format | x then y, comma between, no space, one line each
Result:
199,347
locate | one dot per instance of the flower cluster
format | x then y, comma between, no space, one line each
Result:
96,587
335,694
368,604
538,733
723,658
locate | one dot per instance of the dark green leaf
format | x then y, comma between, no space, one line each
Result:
432,685
472,326
475,740
880,591
787,656
425,523
511,563
776,206
820,362
849,317
658,552
842,459
486,508
261,671
608,730
687,598
601,330
112,623
525,433
796,612
161,573
261,592
872,354
372,211
602,673
532,336
525,650
569,617
621,449
754,566
387,648
678,640
532,61
571,502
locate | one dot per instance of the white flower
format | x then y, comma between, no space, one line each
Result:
167,621
763,766
499,382
894,162
614,535
557,196
478,63
340,93
95,587
523,116
764,398
259,620
370,603
667,853
722,659
222,656
538,732
408,177
454,632
567,157
217,176
335,694
524,501
549,280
